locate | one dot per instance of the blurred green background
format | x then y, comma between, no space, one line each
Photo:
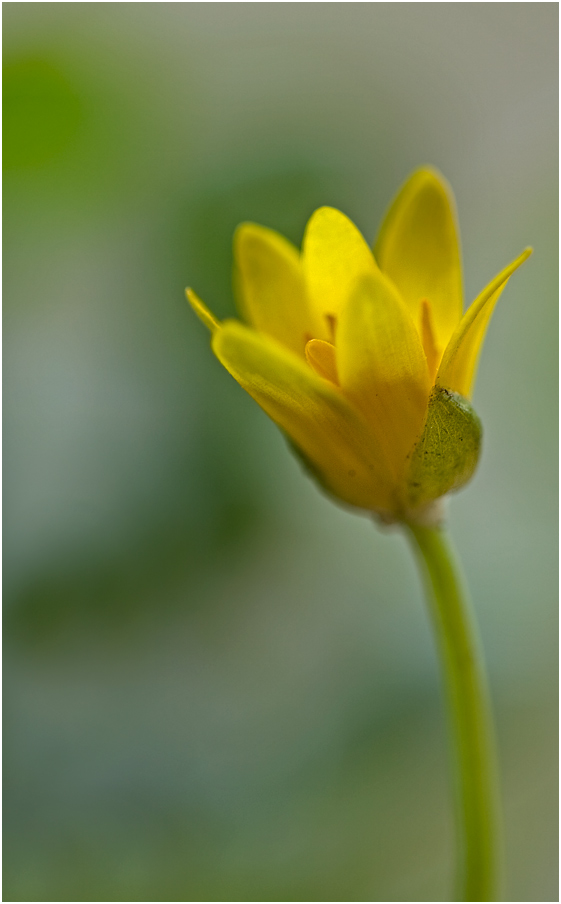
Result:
218,685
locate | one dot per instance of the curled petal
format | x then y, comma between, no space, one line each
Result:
459,363
323,425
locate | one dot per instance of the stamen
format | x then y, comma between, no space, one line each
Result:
331,325
430,347
321,356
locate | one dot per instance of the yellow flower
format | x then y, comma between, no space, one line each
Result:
364,358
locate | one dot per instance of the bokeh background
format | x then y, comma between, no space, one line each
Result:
219,685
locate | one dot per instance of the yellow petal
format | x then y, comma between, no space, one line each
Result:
459,362
323,425
201,310
418,248
382,366
273,291
334,255
321,356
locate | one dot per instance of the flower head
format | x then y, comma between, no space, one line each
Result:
364,358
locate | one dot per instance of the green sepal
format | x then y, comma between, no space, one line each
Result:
447,453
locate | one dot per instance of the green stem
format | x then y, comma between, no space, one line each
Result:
469,716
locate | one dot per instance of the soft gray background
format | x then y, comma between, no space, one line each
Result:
219,686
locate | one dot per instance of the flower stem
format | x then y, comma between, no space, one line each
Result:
476,779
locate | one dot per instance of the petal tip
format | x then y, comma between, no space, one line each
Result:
201,310
324,214
428,174
331,215
244,230
327,210
249,231
427,170
252,240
